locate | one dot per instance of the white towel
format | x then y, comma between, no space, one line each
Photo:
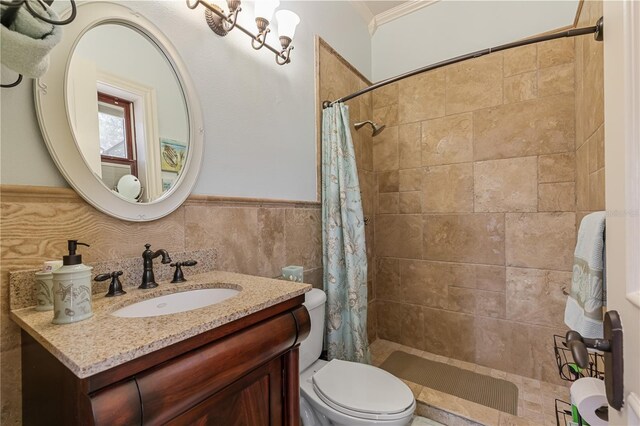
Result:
583,312
27,42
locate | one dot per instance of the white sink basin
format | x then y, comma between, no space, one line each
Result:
176,302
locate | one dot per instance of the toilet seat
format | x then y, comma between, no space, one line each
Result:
362,391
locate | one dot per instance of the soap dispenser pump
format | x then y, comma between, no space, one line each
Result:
72,288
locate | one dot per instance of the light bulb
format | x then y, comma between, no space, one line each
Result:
264,8
287,23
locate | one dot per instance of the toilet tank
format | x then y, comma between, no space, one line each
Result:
311,347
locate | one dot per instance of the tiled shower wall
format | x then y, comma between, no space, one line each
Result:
476,201
589,116
336,78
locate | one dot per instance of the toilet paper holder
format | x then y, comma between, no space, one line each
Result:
611,345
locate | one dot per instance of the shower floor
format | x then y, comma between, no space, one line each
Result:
535,398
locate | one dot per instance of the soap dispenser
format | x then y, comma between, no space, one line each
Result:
72,288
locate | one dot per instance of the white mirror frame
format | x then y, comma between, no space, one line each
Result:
51,107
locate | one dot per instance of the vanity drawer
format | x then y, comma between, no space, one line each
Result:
175,386
118,404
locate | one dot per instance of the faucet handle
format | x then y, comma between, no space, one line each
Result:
115,288
178,276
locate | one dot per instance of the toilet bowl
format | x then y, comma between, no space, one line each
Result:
346,393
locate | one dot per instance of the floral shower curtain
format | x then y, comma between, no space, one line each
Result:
343,238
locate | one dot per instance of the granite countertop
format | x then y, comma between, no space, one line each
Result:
105,341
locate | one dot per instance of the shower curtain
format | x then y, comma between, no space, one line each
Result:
343,241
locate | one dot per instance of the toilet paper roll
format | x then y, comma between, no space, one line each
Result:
588,395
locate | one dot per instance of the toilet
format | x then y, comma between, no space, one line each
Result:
344,393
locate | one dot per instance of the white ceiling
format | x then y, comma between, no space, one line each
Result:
377,7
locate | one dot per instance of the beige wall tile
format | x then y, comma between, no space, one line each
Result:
448,188
399,236
509,185
555,80
271,242
387,115
388,202
515,347
368,191
411,180
555,52
385,150
411,202
557,197
474,84
11,387
596,150
422,97
427,283
388,279
232,231
386,95
412,326
520,60
471,238
557,168
593,85
490,304
492,278
462,300
596,190
389,319
389,181
540,240
535,296
421,285
521,87
539,126
409,141
582,177
579,92
447,140
303,235
372,322
439,339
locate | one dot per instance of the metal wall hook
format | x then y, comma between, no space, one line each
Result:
11,12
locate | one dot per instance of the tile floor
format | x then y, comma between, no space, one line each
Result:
535,405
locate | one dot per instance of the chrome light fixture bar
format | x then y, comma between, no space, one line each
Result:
222,17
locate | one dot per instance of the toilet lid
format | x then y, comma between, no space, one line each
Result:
362,391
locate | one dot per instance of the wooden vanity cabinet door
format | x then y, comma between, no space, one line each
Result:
254,400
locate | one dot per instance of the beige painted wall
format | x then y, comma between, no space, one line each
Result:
252,237
476,202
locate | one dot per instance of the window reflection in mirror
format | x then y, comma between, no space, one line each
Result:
117,145
127,110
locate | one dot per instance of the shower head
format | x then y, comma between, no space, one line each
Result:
376,129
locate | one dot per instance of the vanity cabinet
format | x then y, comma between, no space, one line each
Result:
242,373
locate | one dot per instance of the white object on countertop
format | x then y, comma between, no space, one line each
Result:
51,265
588,394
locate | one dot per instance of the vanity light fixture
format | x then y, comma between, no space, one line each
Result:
222,17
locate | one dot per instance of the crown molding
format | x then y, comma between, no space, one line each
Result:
374,21
402,10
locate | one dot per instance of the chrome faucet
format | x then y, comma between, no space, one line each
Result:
148,280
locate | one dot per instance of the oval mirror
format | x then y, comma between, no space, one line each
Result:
119,114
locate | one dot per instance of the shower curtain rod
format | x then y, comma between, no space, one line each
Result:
597,30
